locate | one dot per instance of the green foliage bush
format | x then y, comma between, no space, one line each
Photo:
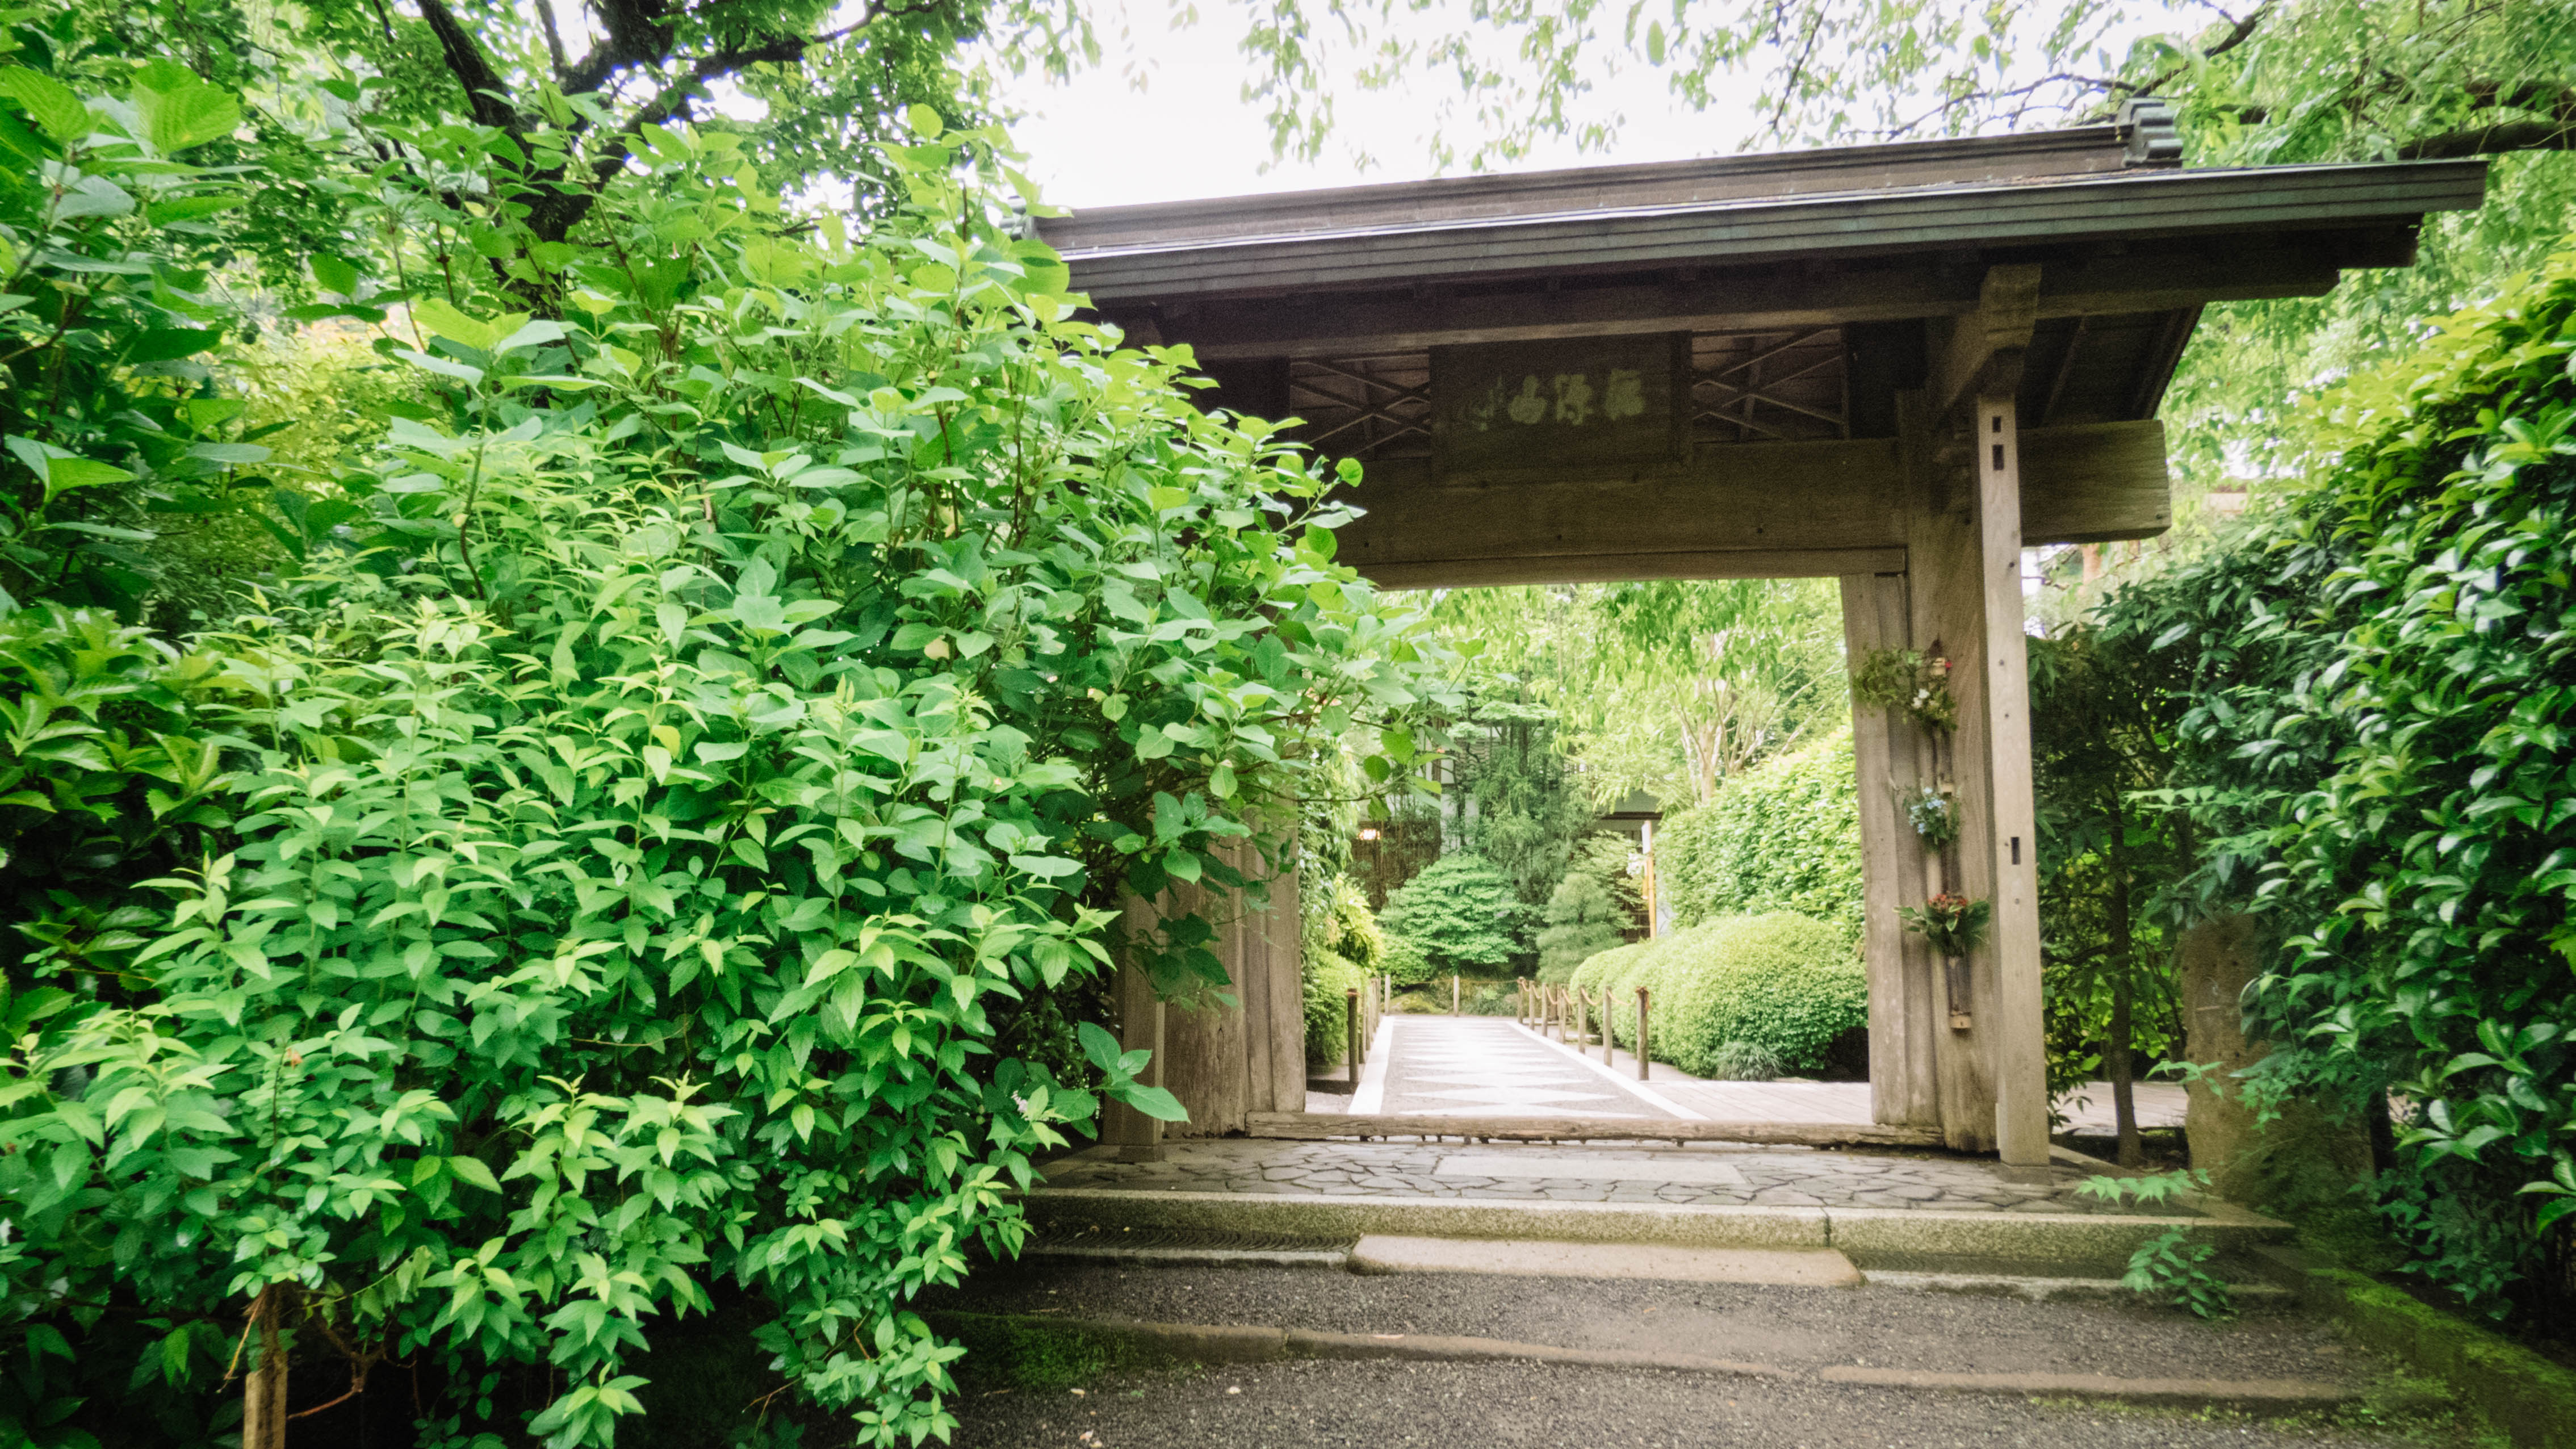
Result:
1343,947
1779,983
2378,678
1583,920
1782,836
1326,977
1405,961
108,416
1744,1061
1462,915
664,827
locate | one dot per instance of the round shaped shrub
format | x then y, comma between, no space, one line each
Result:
1782,982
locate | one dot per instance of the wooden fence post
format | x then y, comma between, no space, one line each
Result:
1453,993
1351,1019
1641,1033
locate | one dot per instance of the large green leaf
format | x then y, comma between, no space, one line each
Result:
48,102
179,111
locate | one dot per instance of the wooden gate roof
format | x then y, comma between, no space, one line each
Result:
1815,287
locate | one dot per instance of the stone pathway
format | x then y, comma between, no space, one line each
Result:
1700,1173
1486,1066
1489,1066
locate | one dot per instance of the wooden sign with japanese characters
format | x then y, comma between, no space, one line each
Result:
1593,400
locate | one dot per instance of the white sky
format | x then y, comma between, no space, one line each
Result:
1098,140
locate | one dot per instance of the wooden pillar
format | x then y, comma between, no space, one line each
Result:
1138,1138
1232,1050
1946,619
1887,767
2020,1042
1961,502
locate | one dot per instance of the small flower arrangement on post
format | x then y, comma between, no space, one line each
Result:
1934,814
1903,679
1951,925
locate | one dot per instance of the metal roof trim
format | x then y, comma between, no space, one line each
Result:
2101,145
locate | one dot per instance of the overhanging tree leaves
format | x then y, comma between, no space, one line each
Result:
675,805
2374,748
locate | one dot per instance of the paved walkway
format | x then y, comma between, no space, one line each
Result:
1702,1173
1487,1066
1490,1066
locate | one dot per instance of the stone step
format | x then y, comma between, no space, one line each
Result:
1538,1258
2015,1235
1240,1344
1154,1247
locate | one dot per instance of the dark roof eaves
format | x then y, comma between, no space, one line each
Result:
1837,224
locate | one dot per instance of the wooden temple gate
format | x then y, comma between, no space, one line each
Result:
1898,366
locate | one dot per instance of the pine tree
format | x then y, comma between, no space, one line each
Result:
1583,920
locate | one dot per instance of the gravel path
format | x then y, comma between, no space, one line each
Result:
1468,1406
1790,1327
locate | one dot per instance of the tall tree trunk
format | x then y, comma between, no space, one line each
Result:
2115,1052
264,1392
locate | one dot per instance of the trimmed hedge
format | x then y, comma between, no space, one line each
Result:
1780,981
1327,979
1341,946
1784,836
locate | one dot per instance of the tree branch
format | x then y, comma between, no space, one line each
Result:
553,217
487,96
554,36
2492,140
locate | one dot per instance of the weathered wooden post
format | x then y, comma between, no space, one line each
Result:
1606,1033
1351,1015
1641,1033
1453,993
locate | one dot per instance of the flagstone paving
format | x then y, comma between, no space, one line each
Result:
1699,1173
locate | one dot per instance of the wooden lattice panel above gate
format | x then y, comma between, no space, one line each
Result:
1779,386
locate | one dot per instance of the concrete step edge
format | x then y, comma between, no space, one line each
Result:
1255,1343
1183,1257
2069,1236
2035,1288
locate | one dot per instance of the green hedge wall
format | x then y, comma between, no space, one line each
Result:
1780,980
1783,836
1327,978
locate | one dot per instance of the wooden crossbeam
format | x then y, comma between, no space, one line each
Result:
1741,510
